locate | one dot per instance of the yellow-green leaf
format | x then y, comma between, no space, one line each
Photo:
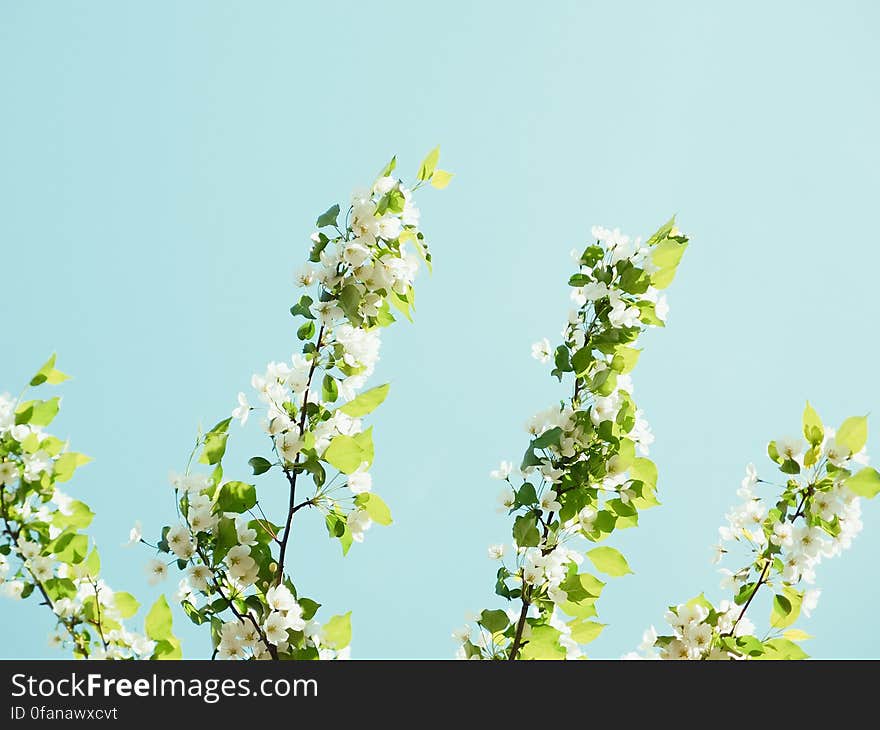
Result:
865,483
337,631
441,178
366,402
609,561
157,625
853,433
429,164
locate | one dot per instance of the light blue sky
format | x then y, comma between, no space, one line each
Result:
161,165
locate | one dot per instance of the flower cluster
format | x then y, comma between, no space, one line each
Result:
815,515
361,267
585,471
43,549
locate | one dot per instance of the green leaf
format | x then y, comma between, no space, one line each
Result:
328,217
168,649
783,649
337,631
644,470
366,402
67,463
625,359
306,330
796,635
429,164
609,561
157,624
126,604
236,497
583,632
70,547
349,300
389,168
259,465
494,621
303,307
581,360
346,454
79,518
37,412
525,531
865,482
853,433
661,232
329,389
375,507
786,607
543,643
813,429
440,179
215,445
48,374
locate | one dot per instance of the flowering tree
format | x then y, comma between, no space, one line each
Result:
43,549
585,471
361,267
785,528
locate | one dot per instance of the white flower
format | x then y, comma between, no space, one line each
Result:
624,315
202,519
358,523
389,227
746,489
275,627
246,535
27,548
384,185
360,481
36,464
496,552
13,589
241,565
782,534
279,598
8,473
557,595
179,541
533,574
305,277
230,648
604,409
595,290
156,571
503,471
661,308
289,445
837,453
42,568
199,576
810,601
243,410
506,499
548,501
184,591
541,351
790,447
462,634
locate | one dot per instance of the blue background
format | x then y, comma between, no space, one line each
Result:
161,166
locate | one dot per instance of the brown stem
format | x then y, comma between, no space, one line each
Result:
291,475
241,617
46,600
761,579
